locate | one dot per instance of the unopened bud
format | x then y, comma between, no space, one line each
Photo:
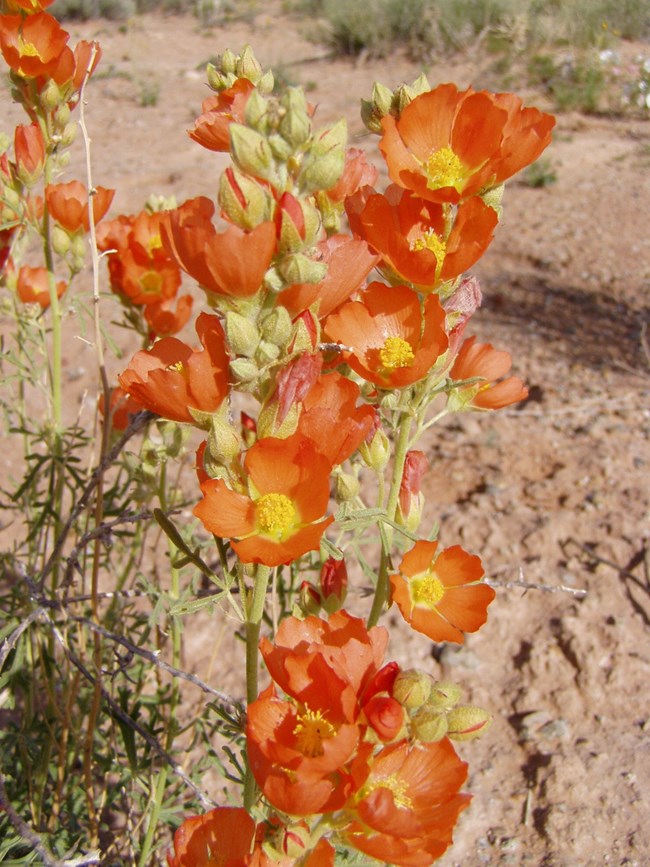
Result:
266,82
224,442
376,453
277,327
50,96
298,268
333,584
242,334
346,487
62,116
227,62
309,598
251,152
468,722
412,688
247,65
244,370
256,110
217,80
385,715
428,725
295,126
267,352
324,162
68,135
244,202
60,241
445,695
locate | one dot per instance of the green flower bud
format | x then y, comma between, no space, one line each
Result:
68,135
256,110
428,725
242,334
376,453
227,62
62,116
420,85
467,722
445,695
243,200
216,80
248,66
251,152
346,487
412,688
280,147
266,83
267,352
295,126
267,421
224,442
60,241
244,370
273,281
298,268
50,96
277,327
382,99
325,160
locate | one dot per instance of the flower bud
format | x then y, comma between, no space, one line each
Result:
325,160
295,126
227,62
50,96
243,201
277,327
256,110
244,370
217,81
252,152
376,453
62,116
412,688
346,487
428,725
376,107
247,65
333,584
467,722
29,152
242,334
267,352
309,598
385,715
280,147
298,268
60,241
266,82
445,695
224,442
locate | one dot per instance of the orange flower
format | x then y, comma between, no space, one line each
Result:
139,267
211,129
441,595
68,204
231,263
222,836
331,418
29,150
411,235
298,752
343,645
448,145
405,808
281,517
122,408
33,286
391,341
36,46
164,319
357,173
171,379
349,261
482,360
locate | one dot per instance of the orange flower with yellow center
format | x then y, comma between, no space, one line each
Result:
441,595
36,47
282,516
391,340
448,144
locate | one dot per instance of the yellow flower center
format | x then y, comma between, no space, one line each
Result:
444,169
430,240
396,352
27,49
396,786
427,590
151,282
275,515
311,731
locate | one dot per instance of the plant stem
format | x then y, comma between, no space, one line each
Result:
401,448
253,624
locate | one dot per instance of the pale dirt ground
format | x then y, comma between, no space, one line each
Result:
555,491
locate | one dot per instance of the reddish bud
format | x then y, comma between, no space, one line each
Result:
385,715
334,583
29,149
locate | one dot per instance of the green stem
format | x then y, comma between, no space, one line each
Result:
401,448
253,624
153,818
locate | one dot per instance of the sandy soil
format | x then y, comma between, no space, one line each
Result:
554,492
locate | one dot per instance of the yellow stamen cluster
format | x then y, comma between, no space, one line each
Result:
27,49
430,240
396,786
427,590
274,515
396,352
179,367
311,731
151,282
444,169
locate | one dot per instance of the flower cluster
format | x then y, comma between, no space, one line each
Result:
339,311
